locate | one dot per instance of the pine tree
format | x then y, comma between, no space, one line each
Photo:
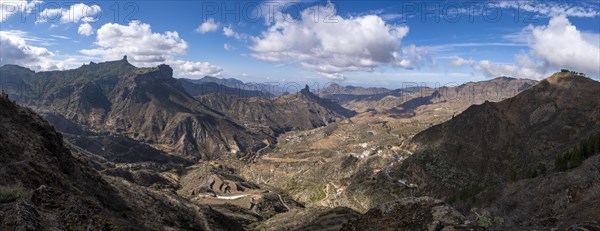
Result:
597,141
561,162
584,150
591,150
576,157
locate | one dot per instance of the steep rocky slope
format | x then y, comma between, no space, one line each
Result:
565,200
44,187
491,141
472,159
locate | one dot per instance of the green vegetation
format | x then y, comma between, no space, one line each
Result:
572,72
485,220
318,195
577,155
12,193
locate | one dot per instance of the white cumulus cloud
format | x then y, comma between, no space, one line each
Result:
85,29
137,41
17,50
201,69
228,47
229,32
459,62
209,26
524,67
561,44
12,7
146,48
333,45
553,8
76,13
551,47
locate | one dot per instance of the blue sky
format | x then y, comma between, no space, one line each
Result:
374,43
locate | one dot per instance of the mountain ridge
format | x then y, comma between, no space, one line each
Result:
489,146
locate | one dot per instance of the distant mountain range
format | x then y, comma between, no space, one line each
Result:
402,103
230,86
211,85
300,111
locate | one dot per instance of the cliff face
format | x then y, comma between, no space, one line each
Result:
153,107
145,104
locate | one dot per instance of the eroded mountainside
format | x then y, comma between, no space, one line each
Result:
300,111
479,152
44,187
433,103
139,152
150,106
489,142
145,104
495,163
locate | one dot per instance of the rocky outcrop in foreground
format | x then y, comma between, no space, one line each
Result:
411,213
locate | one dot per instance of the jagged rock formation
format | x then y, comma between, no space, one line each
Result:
300,111
150,106
145,104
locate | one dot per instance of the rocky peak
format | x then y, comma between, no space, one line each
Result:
165,70
306,90
563,76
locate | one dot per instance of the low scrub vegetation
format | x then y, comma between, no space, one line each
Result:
11,194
